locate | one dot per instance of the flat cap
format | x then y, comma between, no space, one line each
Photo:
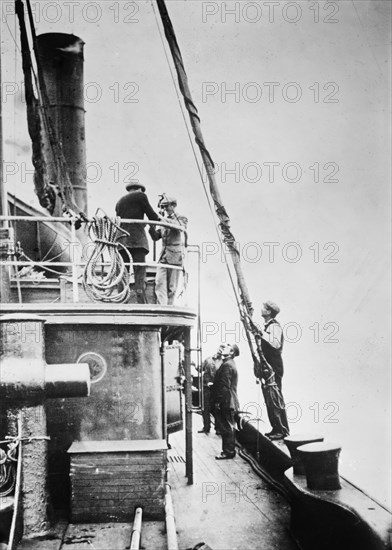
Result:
272,307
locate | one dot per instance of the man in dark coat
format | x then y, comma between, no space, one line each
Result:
208,369
226,399
135,205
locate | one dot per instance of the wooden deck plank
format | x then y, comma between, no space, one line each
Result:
51,541
228,507
153,535
98,536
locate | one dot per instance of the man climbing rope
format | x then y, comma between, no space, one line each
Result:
270,338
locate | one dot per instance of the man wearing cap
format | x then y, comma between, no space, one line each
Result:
166,281
226,399
135,205
271,341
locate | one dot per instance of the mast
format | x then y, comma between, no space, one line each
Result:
224,220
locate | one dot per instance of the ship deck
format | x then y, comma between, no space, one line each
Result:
229,507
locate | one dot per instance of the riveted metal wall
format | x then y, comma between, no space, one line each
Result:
126,390
173,374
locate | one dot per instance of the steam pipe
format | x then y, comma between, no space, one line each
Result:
171,532
188,408
136,529
61,60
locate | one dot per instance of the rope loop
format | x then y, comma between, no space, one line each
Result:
105,278
8,460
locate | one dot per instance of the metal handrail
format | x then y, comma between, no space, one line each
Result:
74,220
74,265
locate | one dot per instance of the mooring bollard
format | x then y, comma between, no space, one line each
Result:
321,461
293,442
26,381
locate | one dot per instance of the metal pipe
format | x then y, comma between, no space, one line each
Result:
5,287
164,401
24,374
75,287
188,408
171,532
136,529
3,191
68,220
60,66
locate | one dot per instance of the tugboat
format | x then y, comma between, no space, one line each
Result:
93,383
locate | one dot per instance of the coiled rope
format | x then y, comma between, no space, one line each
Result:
105,278
8,462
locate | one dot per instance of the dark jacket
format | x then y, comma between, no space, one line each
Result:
209,370
135,205
225,386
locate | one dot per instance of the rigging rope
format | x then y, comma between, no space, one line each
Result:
220,238
224,219
105,278
225,235
262,369
8,462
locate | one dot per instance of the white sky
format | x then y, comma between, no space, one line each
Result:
334,58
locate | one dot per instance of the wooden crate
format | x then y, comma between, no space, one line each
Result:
109,479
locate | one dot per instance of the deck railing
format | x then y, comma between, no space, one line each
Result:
79,247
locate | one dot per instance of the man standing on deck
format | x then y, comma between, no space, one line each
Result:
271,341
208,370
173,240
226,399
135,205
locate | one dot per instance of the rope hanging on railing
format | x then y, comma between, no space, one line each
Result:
105,278
8,462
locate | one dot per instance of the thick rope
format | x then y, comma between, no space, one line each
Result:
194,118
105,278
8,462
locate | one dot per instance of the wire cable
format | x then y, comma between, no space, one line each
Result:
175,85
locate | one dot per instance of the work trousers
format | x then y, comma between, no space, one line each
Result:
166,284
207,409
277,416
138,255
226,424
